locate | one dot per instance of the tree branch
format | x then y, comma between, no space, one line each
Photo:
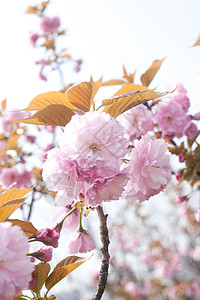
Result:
105,254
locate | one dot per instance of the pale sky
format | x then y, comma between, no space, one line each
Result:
106,34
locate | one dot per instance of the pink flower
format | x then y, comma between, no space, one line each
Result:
181,157
81,242
48,25
89,162
8,123
72,221
44,254
33,38
14,178
78,65
41,75
172,119
181,199
196,116
197,215
190,130
181,97
179,175
15,266
48,236
136,122
94,137
150,169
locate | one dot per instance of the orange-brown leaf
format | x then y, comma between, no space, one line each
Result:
129,77
43,100
113,82
125,89
32,10
82,94
3,104
41,272
150,73
51,115
12,142
63,268
11,200
197,43
27,227
127,101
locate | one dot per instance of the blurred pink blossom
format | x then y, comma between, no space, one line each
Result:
48,25
178,175
9,176
71,222
190,130
181,199
78,65
15,266
171,119
81,242
33,38
8,123
136,122
181,158
150,169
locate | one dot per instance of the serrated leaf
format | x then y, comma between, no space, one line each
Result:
43,100
113,82
27,227
63,268
11,200
125,89
127,101
41,272
197,43
150,73
129,77
82,94
52,115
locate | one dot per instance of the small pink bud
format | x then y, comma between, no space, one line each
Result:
44,254
181,157
181,199
178,175
33,38
196,116
48,236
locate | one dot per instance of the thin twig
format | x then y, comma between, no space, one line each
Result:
105,254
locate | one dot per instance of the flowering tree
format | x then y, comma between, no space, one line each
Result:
119,149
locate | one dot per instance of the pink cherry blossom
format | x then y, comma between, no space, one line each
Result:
48,25
191,130
178,175
33,38
181,199
8,123
94,137
171,119
180,96
81,242
181,157
89,162
71,222
136,122
16,179
196,116
15,266
150,169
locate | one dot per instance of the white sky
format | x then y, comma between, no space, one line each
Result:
106,34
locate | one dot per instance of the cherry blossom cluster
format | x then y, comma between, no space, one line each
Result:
94,166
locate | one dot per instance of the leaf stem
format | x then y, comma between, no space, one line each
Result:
105,254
